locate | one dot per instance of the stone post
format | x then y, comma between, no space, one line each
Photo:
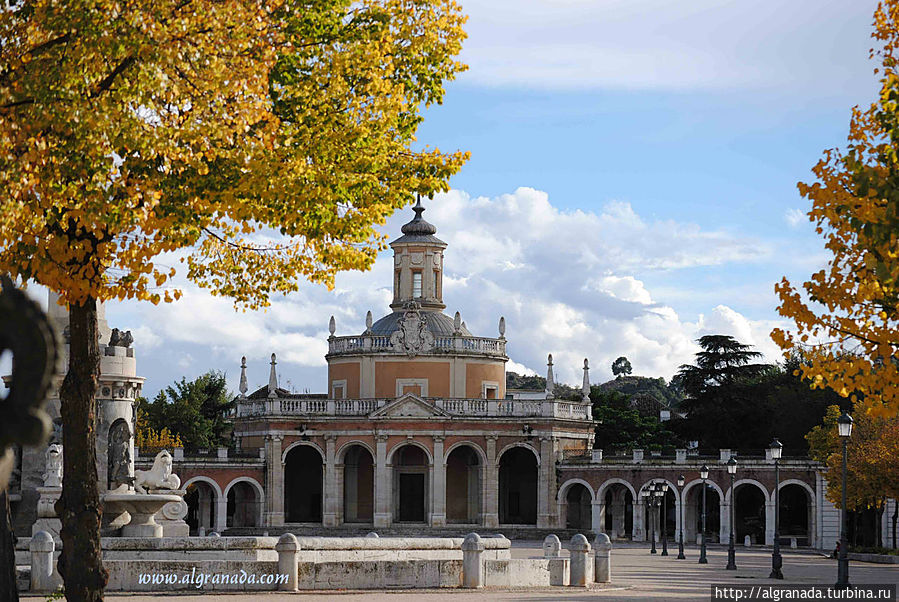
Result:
596,455
639,511
491,486
221,514
580,549
472,564
329,516
42,548
602,564
221,453
552,547
680,456
274,476
383,486
438,491
287,548
638,456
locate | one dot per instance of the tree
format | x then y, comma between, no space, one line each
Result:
872,469
260,141
621,367
848,316
194,411
621,426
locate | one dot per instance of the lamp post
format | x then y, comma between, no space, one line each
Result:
776,449
647,495
731,552
656,503
703,474
663,486
844,423
680,540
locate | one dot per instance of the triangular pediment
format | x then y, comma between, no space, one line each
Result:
410,405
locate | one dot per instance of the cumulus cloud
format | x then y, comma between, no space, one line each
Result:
569,283
795,217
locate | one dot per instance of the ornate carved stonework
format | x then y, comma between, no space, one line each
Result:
412,337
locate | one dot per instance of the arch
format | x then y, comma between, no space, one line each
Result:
709,482
259,501
518,488
463,483
740,482
692,511
527,446
601,493
672,487
411,483
357,475
564,489
202,479
343,449
482,455
801,483
295,444
303,484
414,443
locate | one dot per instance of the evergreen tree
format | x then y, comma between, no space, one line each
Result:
196,411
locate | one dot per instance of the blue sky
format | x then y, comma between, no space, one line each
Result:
632,185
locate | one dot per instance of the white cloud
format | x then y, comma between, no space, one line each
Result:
795,217
653,44
575,291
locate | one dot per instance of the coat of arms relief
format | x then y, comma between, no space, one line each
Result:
412,337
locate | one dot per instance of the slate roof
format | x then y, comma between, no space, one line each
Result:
440,324
419,230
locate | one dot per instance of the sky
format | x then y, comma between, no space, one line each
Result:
632,186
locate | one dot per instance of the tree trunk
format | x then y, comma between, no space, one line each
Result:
81,563
879,527
8,590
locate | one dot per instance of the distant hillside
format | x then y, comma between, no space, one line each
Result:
519,381
636,385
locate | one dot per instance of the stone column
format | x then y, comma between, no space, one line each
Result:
274,476
383,486
639,521
491,486
598,515
287,548
329,516
438,491
724,514
221,515
546,484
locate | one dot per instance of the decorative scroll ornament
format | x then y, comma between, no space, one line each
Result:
412,337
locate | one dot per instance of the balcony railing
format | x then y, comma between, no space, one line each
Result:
300,406
381,344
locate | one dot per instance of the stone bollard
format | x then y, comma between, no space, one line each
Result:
747,542
552,547
287,548
793,543
214,534
580,548
602,563
472,565
373,535
201,532
42,548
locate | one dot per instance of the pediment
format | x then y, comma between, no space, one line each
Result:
408,405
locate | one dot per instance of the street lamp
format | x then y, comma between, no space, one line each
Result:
776,450
731,552
663,487
680,540
647,495
703,474
844,423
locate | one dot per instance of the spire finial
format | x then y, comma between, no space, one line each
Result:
502,326
368,321
585,389
243,377
273,379
418,225
332,325
550,382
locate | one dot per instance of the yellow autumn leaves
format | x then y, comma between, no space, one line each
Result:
268,138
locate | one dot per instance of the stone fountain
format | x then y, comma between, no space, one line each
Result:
153,489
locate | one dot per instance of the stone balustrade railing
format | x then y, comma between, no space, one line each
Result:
305,406
442,344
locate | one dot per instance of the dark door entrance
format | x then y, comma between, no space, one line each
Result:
412,498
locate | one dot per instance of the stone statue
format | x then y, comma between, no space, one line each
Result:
53,475
119,455
120,339
158,477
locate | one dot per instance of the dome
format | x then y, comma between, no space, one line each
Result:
419,229
440,324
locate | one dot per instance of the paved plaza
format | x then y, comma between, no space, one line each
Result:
637,575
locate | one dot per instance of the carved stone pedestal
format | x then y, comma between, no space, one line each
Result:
172,515
46,512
